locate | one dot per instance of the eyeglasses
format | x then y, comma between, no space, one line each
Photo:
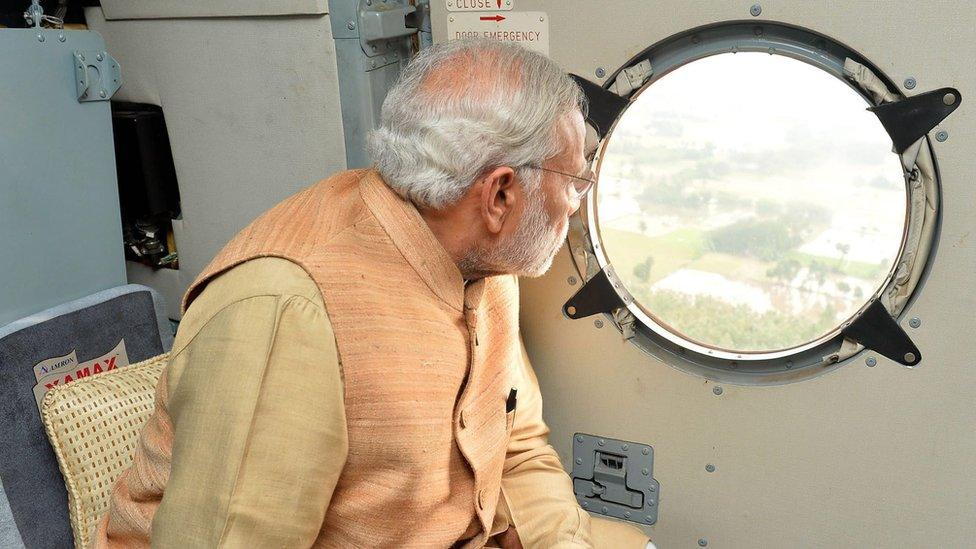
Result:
581,184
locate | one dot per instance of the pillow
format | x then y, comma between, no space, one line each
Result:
93,425
86,337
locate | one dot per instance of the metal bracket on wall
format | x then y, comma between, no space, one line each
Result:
97,75
598,295
381,21
878,331
604,105
908,120
366,73
615,478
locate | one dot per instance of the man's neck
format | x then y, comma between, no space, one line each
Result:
451,237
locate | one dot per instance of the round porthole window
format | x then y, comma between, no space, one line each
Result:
748,203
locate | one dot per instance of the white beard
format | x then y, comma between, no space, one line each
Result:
529,252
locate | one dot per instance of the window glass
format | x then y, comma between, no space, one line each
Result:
750,202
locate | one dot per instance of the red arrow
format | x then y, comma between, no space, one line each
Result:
495,18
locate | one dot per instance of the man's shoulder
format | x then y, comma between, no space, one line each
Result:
258,277
262,276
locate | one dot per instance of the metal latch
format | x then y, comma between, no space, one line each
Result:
610,481
97,75
615,478
381,21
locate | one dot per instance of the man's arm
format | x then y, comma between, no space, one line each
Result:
256,402
537,490
539,493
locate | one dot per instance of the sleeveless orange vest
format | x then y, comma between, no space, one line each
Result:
428,362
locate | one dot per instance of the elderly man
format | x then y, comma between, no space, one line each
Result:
348,372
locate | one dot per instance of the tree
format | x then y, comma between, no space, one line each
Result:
642,271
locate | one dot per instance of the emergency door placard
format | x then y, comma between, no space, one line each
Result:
526,28
480,5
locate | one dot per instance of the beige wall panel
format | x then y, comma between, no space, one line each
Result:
860,457
252,111
167,9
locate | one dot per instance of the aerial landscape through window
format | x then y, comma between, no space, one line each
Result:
750,202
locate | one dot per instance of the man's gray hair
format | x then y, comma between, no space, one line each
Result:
464,107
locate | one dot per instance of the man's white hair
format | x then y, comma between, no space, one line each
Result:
464,107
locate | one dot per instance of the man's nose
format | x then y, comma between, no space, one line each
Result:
574,204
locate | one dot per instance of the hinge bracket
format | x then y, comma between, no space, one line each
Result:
97,75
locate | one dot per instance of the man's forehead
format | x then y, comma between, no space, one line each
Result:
590,142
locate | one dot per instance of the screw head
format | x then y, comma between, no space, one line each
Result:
579,438
579,461
99,57
598,323
646,451
909,357
915,322
949,99
572,281
103,94
755,10
600,72
625,447
652,488
604,510
645,472
871,361
710,468
717,390
62,37
351,25
40,37
702,542
601,442
81,56
586,504
649,519
942,136
627,514
910,83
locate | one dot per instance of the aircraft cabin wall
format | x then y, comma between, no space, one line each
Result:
722,315
250,95
857,450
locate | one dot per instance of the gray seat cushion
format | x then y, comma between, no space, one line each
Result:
36,510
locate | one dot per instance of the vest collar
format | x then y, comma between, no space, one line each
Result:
411,235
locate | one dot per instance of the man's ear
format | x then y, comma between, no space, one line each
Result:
500,193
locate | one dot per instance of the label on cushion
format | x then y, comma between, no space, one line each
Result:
66,372
56,364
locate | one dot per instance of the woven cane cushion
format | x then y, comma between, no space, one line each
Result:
76,335
94,425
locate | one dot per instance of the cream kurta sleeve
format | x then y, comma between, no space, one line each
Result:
539,493
256,401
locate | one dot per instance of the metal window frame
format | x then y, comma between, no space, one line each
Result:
607,295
